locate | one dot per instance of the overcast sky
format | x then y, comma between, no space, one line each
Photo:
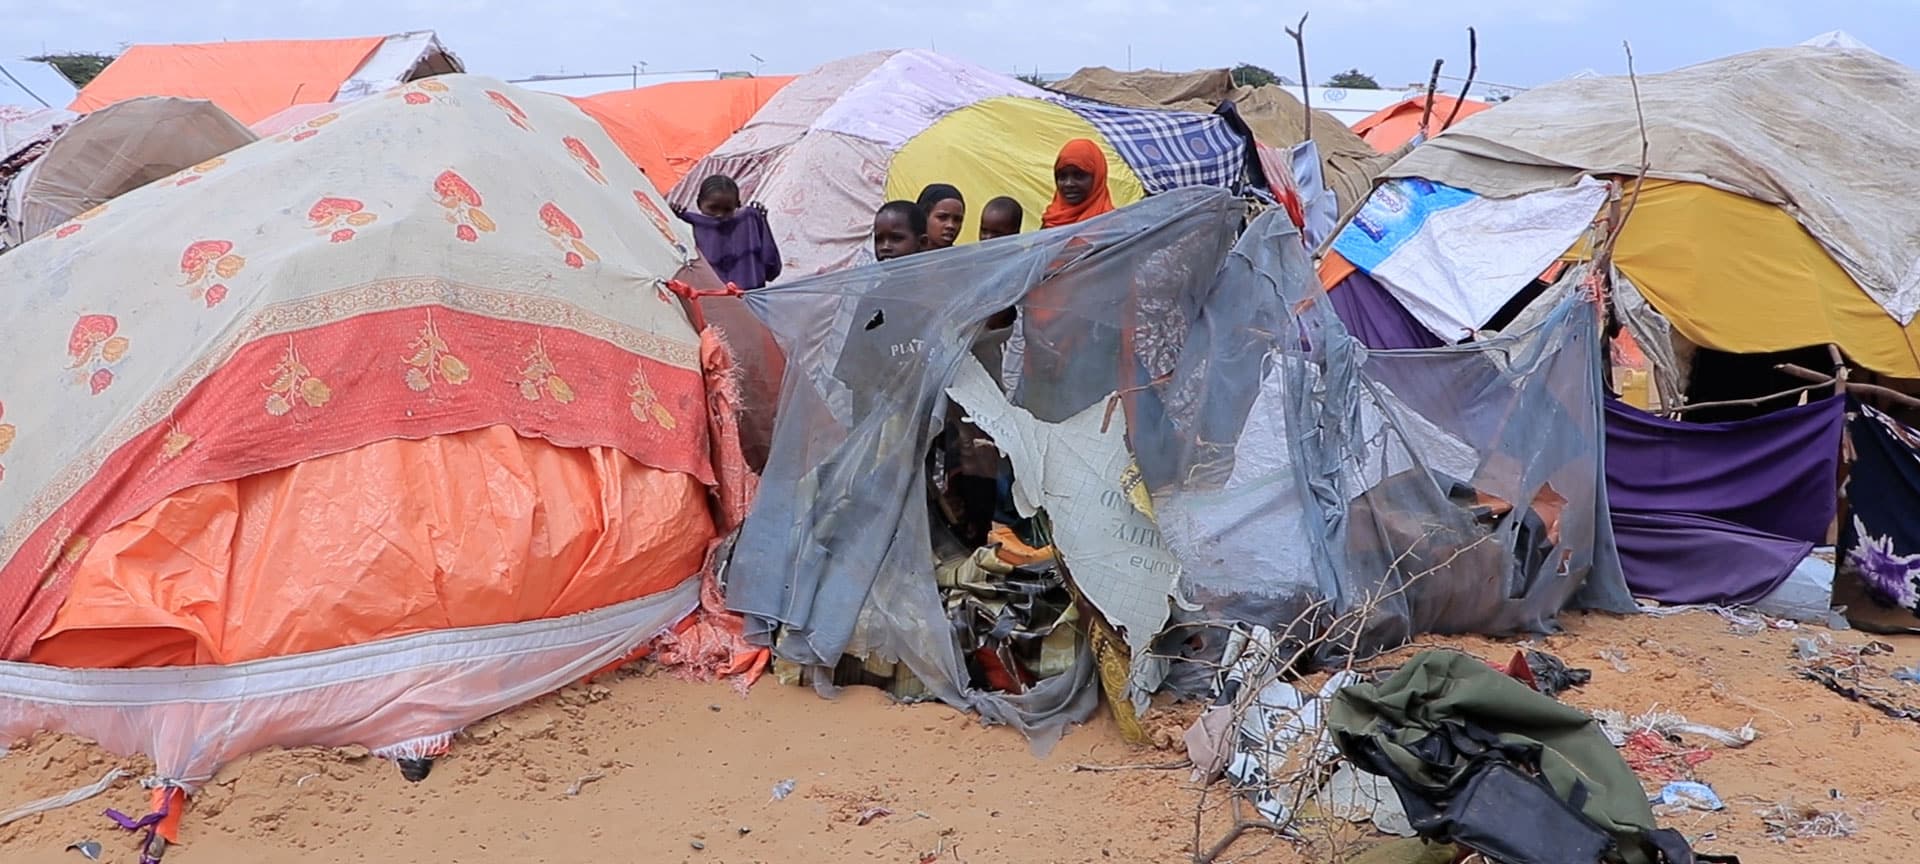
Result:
1523,42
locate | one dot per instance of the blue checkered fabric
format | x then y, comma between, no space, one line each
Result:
1170,149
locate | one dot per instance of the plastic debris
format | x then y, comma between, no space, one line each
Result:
872,813
1695,796
65,800
1273,719
88,849
1359,796
782,789
1615,658
1552,676
1787,820
1909,674
698,846
1618,727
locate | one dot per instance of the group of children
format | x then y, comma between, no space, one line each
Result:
1080,192
737,242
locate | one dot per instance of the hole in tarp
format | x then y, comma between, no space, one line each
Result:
878,319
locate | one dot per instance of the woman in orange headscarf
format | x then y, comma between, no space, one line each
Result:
1079,185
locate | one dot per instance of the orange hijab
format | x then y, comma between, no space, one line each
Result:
1086,156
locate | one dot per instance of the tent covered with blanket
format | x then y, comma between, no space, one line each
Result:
360,438
666,129
1764,236
1274,115
832,146
254,80
1204,441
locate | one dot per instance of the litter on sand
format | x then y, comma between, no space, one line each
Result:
1690,795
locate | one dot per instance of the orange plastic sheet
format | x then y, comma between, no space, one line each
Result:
396,537
250,80
1390,128
667,128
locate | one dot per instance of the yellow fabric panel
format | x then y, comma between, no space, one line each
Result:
998,147
1740,275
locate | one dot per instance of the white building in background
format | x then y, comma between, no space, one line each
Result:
596,83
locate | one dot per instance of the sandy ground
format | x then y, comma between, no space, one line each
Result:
647,768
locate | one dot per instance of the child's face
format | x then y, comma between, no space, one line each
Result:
893,237
944,221
995,224
1074,184
720,205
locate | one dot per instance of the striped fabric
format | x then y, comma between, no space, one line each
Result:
1170,149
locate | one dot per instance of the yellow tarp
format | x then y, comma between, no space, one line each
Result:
1739,275
997,147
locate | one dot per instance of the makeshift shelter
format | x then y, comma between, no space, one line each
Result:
1398,125
253,80
376,429
837,142
1276,117
1194,422
1764,227
111,152
666,129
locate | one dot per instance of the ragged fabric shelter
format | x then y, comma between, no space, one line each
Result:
371,430
834,144
110,152
1194,423
1759,235
1275,116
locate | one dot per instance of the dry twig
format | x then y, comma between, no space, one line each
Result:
1306,84
1166,766
1433,86
1473,68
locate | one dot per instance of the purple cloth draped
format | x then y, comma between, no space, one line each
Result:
1775,473
1376,318
739,248
1720,512
1682,559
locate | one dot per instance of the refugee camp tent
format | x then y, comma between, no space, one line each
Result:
29,85
113,151
1766,226
1398,125
1196,423
1276,116
837,142
378,428
253,80
668,128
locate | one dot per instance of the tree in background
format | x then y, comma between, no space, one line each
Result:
1032,78
1353,79
80,67
1249,75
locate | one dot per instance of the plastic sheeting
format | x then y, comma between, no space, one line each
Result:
250,80
402,697
1002,147
1454,258
397,537
666,129
1254,426
1812,130
112,152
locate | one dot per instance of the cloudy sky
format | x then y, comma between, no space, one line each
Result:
1523,42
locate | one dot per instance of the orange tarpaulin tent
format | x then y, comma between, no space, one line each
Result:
249,80
1393,126
667,128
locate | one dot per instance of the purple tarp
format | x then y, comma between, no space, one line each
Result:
1711,512
1377,319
